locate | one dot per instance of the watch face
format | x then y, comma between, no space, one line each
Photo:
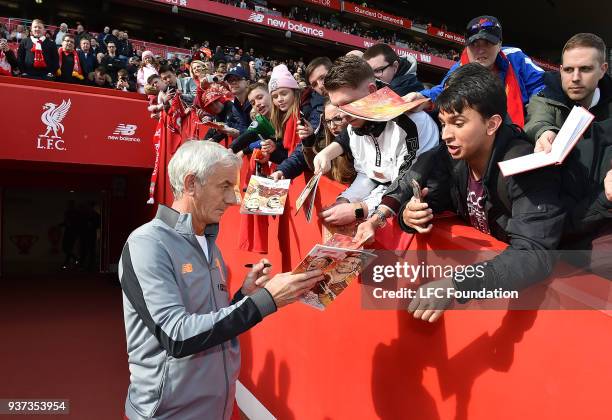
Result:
359,213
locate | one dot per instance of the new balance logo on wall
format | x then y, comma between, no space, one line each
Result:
125,132
256,17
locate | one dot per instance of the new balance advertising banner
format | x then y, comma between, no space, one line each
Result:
307,29
53,122
449,36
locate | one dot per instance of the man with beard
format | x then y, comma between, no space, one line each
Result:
314,96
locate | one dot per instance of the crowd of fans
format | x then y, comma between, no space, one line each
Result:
284,116
484,102
109,60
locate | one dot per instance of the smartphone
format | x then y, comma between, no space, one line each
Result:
416,189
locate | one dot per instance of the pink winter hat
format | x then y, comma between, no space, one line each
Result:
281,78
147,53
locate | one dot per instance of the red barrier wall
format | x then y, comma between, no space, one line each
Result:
350,363
97,126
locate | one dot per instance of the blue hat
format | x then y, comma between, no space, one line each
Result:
484,27
238,71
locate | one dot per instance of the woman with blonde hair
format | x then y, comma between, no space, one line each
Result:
148,67
198,71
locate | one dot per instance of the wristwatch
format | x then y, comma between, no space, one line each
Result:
359,213
381,218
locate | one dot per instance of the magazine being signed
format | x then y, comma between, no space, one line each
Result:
341,262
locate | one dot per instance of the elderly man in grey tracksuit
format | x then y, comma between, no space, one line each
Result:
181,324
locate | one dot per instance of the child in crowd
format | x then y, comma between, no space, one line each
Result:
284,116
213,103
149,66
151,89
261,104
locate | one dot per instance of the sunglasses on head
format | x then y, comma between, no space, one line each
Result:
487,24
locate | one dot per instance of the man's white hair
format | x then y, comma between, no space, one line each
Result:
198,157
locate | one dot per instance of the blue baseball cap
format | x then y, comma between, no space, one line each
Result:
238,71
484,27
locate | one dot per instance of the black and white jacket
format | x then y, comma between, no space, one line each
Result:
389,149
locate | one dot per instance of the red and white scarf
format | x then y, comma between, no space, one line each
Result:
76,69
39,58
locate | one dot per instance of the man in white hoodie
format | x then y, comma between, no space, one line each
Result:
381,151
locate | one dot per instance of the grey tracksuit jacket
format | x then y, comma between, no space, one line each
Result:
181,327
